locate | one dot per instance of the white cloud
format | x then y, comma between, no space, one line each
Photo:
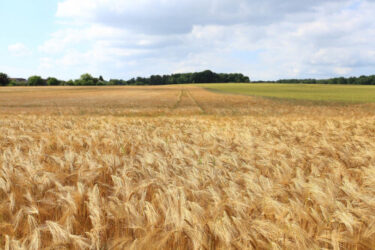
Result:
64,38
270,38
180,16
19,49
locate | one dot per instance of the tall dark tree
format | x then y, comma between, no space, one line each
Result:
4,79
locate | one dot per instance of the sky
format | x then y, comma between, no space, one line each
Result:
264,39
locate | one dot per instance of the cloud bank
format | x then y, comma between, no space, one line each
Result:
266,39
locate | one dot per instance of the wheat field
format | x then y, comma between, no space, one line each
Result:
323,93
183,168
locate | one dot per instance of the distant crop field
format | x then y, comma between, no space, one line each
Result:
180,167
308,92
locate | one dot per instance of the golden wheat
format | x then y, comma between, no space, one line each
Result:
186,183
301,180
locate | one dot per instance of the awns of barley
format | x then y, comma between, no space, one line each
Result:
79,182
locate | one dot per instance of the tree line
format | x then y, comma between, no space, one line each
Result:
206,76
361,80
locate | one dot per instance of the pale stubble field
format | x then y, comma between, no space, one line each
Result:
178,167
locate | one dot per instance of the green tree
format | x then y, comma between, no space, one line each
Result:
206,76
35,81
69,83
156,80
131,81
13,83
4,79
52,81
86,79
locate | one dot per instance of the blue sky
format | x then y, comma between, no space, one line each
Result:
30,22
265,39
27,24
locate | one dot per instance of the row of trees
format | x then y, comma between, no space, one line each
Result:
362,80
197,77
88,80
32,81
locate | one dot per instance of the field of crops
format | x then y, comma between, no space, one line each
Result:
180,167
306,92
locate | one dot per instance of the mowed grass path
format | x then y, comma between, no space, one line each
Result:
309,92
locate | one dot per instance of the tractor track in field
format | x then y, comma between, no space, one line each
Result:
179,99
195,102
186,100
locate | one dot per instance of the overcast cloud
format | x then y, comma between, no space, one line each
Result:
265,39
